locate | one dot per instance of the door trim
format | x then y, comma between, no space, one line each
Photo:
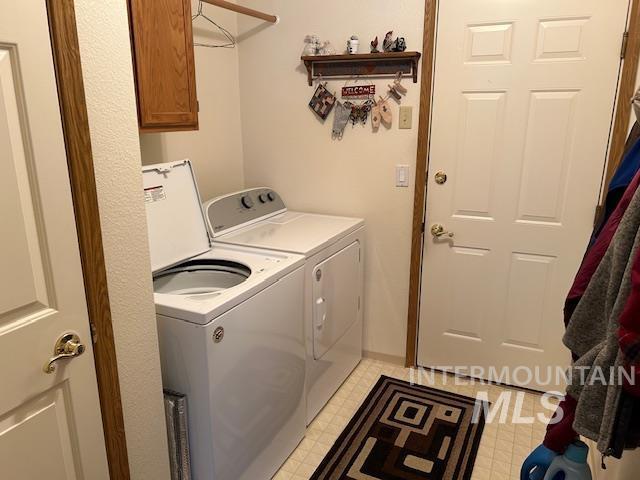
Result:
618,139
626,89
422,162
75,126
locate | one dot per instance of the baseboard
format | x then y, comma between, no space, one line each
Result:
384,357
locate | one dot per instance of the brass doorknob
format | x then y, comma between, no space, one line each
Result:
440,178
67,346
438,231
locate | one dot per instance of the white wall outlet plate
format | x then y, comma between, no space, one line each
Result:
406,117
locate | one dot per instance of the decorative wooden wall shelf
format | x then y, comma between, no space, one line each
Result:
362,64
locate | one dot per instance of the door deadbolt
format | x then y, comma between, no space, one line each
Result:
440,178
318,275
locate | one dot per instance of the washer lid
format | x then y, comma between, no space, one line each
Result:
177,229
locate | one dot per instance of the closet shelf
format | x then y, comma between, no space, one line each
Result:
362,64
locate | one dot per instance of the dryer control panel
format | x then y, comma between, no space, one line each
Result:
235,210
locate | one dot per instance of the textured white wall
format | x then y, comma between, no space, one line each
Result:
288,148
108,78
215,149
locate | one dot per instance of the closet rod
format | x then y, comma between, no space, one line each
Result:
243,10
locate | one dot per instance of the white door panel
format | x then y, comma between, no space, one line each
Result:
50,424
523,100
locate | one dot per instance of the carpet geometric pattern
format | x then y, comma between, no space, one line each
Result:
406,432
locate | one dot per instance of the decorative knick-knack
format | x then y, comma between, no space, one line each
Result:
359,112
399,45
394,93
327,49
375,117
311,45
385,112
322,101
397,90
374,45
353,44
397,84
340,120
387,43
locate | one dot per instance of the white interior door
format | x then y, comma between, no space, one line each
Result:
50,424
523,99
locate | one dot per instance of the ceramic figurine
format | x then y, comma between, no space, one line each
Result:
327,49
374,45
387,44
400,45
311,45
353,44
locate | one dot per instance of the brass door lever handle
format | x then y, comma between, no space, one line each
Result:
438,231
67,346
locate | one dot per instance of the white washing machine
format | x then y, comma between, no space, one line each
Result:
230,333
333,249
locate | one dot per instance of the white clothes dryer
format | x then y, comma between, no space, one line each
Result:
333,248
230,334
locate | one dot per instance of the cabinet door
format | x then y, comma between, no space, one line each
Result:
165,71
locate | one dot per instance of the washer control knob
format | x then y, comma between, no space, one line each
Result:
263,197
246,201
271,196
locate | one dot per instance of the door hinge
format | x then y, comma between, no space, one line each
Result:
623,48
358,303
596,215
198,105
422,227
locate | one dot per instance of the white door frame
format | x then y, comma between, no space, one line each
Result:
626,89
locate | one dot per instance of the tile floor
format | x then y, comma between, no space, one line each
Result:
502,449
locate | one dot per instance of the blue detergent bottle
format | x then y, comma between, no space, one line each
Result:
537,463
572,465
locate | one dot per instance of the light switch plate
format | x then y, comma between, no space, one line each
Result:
406,117
402,175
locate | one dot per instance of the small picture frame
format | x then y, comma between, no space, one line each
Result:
322,101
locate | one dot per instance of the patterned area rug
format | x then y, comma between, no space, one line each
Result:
406,432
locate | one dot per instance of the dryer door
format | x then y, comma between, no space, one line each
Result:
336,302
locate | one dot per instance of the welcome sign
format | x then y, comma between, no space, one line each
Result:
359,91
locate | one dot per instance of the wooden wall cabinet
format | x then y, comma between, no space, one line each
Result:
162,41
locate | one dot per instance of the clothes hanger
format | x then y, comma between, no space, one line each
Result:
231,39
